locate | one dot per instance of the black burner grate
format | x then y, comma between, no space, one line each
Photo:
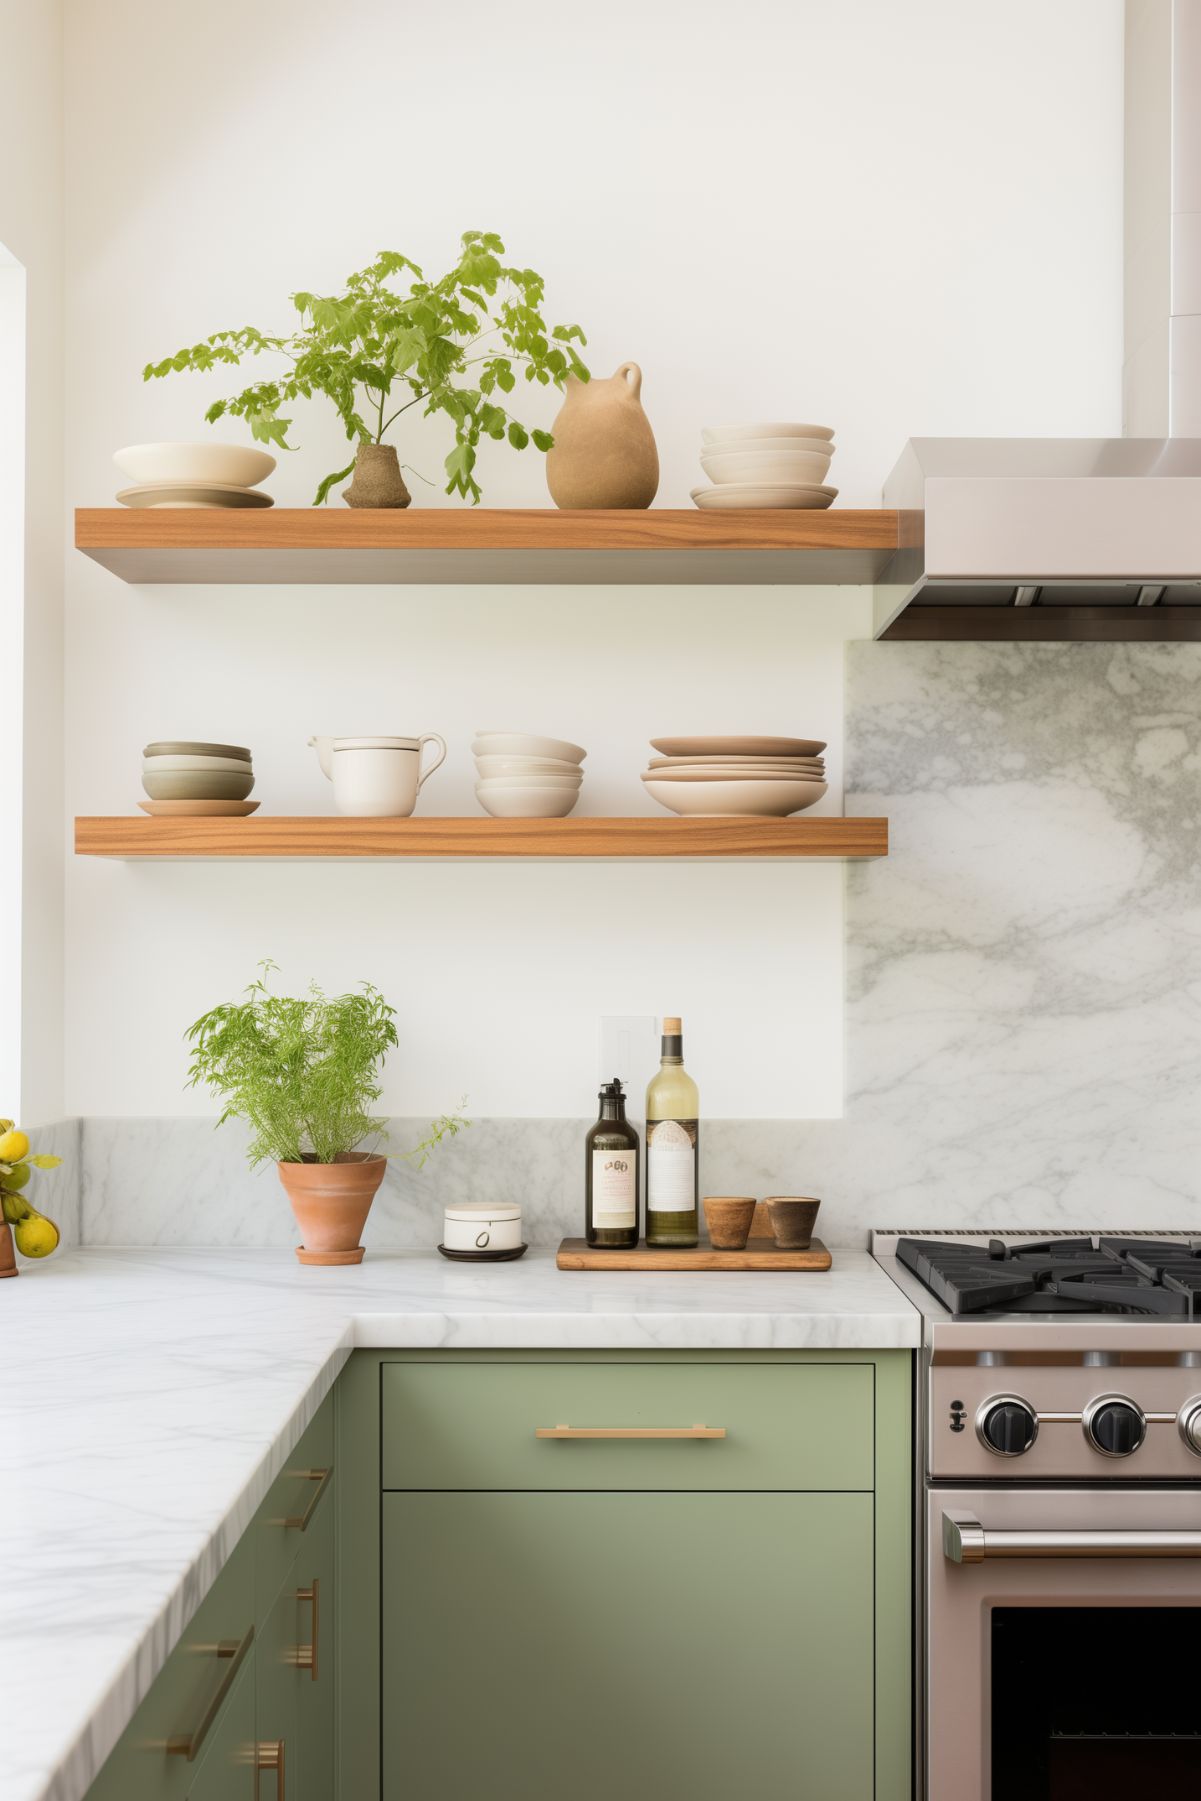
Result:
1143,1277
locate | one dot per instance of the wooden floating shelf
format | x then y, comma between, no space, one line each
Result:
137,836
490,545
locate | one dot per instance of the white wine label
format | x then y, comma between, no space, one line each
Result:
614,1188
671,1166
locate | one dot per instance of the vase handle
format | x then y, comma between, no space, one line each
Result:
632,376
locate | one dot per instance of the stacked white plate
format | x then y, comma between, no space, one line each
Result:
194,475
186,777
760,776
525,777
771,464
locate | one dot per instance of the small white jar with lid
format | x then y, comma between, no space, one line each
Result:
482,1229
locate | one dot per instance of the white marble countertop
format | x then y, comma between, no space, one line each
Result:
151,1397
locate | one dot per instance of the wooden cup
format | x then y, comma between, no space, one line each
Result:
793,1218
728,1218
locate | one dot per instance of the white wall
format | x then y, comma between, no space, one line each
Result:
833,212
31,903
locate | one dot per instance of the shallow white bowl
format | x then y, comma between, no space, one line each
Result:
769,773
530,781
239,765
489,766
786,467
235,465
525,744
715,434
516,802
735,496
774,799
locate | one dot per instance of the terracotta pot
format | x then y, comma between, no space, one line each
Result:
331,1202
8,1257
377,481
604,450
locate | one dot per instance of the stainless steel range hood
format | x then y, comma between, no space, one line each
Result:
1086,537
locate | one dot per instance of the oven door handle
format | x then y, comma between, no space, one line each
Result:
965,1540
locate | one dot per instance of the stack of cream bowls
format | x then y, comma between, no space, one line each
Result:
194,475
764,777
188,778
525,777
774,464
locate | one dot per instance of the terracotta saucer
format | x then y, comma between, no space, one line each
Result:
199,809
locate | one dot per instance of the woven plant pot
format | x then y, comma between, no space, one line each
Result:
377,481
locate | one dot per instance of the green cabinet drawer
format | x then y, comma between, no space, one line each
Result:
537,1646
296,1499
227,1772
158,1758
473,1425
313,1580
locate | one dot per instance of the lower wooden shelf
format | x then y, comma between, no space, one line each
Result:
136,836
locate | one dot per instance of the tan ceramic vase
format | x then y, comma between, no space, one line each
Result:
377,481
8,1257
331,1202
604,450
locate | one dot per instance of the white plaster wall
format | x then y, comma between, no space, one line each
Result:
805,210
31,568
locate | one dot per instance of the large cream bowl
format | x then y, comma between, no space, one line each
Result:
765,799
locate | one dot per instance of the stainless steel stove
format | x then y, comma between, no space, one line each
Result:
1059,1451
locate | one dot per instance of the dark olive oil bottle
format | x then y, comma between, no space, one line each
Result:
611,1157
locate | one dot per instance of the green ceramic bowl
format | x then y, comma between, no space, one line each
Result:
190,784
188,747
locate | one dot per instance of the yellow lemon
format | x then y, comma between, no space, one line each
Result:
13,1146
36,1236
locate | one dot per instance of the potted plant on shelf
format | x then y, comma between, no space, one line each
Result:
36,1235
370,344
303,1073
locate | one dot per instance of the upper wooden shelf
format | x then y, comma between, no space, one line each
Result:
480,544
134,835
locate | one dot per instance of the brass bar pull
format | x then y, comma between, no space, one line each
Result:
233,1650
321,1477
630,1432
269,1755
306,1655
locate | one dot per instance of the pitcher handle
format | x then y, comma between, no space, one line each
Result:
631,369
429,738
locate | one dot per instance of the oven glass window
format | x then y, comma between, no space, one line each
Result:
1096,1703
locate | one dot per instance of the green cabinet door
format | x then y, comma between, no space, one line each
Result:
643,1646
276,1648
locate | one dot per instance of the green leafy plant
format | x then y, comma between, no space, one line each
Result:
303,1072
364,347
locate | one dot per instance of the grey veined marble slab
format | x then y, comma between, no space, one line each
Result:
166,1388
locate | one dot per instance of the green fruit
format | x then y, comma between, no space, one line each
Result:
17,1177
36,1236
14,1206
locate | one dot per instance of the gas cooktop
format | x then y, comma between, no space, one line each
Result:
1147,1278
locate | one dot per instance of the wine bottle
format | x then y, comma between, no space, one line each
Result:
611,1174
672,1146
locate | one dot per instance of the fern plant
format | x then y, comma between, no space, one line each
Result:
302,1072
376,352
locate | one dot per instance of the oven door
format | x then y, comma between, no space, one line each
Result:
1062,1637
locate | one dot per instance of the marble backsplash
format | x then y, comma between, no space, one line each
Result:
1024,987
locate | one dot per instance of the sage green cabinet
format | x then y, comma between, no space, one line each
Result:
228,1771
711,1645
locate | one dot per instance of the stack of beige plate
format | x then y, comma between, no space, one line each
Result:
776,464
194,475
763,776
185,778
522,776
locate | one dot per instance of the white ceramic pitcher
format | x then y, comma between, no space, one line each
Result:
377,778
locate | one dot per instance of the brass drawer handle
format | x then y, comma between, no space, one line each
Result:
299,1522
306,1655
630,1432
234,1650
269,1755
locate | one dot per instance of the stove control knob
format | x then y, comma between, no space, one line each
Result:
1189,1422
1006,1425
1114,1426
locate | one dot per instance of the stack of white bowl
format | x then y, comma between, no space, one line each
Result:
526,777
189,777
769,777
194,475
775,464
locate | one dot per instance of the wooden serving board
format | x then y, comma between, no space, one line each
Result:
760,1254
